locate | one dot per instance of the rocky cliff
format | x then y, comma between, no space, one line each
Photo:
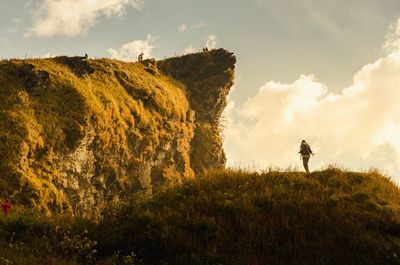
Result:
76,134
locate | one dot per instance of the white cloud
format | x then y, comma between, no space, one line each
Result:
358,128
190,49
182,28
392,43
74,17
131,50
211,42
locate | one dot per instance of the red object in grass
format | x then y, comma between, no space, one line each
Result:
6,207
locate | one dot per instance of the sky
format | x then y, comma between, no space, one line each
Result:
327,71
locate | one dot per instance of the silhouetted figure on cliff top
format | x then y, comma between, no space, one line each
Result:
205,49
305,152
140,57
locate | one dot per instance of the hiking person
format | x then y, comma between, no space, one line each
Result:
140,57
6,207
305,152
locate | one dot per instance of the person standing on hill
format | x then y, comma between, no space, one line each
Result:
305,152
140,57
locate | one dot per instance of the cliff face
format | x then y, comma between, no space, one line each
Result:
76,134
208,78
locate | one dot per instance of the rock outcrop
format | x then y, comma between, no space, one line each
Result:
76,134
208,77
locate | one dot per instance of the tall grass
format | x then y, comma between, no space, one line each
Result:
231,217
127,112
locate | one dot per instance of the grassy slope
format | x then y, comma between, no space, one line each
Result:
135,118
328,217
122,103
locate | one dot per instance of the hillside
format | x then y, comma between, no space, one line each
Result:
109,162
233,218
77,134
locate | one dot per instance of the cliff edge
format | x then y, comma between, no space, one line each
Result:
76,134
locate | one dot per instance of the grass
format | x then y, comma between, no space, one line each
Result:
231,217
99,129
124,111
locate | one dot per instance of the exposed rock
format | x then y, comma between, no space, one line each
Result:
208,78
125,127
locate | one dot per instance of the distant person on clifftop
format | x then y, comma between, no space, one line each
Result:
305,152
6,206
205,49
140,57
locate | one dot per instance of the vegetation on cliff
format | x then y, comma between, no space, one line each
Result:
226,217
214,71
77,133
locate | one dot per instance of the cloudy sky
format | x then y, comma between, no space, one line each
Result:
327,71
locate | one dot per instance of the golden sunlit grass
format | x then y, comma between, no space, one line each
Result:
131,118
235,217
128,109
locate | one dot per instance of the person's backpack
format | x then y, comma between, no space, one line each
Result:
305,149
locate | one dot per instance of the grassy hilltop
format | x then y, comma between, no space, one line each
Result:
80,124
77,133
226,217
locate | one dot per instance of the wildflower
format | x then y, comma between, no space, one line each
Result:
6,207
